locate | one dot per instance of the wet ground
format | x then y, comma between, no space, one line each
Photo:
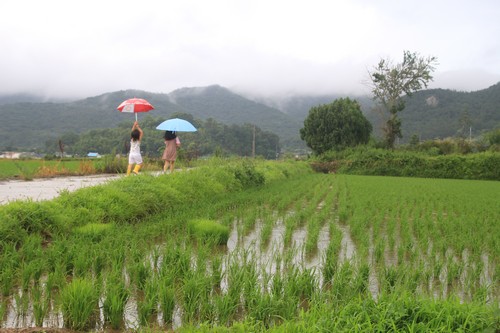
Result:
47,188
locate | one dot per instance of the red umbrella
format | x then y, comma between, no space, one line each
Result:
135,105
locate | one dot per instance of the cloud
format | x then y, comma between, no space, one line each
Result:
79,49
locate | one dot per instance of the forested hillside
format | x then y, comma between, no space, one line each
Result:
27,126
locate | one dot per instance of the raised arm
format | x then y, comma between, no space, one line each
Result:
136,126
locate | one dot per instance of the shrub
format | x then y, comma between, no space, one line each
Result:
247,175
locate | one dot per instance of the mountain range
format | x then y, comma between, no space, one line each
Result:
28,122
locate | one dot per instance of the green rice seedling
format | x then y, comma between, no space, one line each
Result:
24,275
361,281
379,251
226,306
454,271
389,278
41,305
245,284
266,230
79,301
277,284
82,263
267,309
301,285
249,220
21,300
291,222
216,273
313,229
56,279
330,265
116,296
155,258
166,298
3,309
7,280
148,305
209,231
342,282
139,273
194,291
293,282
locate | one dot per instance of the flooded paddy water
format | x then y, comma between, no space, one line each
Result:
268,259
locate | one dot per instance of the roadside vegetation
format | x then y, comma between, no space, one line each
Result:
301,252
29,169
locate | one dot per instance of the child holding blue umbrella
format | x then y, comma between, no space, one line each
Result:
172,142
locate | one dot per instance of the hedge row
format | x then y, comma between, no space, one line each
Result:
479,166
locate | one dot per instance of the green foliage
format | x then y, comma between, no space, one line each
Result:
209,231
336,126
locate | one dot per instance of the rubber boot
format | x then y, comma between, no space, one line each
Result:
137,168
129,169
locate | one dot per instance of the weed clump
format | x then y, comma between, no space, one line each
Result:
209,231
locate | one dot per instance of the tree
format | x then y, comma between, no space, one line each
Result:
337,125
390,83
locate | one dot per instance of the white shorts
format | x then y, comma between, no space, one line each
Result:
134,159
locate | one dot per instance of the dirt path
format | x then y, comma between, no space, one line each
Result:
47,188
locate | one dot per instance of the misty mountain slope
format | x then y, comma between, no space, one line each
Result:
30,125
434,113
439,113
225,106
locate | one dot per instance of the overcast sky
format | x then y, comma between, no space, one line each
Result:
76,48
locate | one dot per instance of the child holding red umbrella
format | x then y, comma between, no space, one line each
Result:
134,156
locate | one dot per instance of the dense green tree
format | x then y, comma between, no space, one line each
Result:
390,83
337,125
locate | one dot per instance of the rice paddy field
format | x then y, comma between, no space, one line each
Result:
261,247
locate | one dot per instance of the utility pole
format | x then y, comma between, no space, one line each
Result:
253,143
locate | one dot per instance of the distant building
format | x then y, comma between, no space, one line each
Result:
93,155
17,155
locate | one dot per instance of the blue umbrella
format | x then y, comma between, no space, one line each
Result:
176,125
